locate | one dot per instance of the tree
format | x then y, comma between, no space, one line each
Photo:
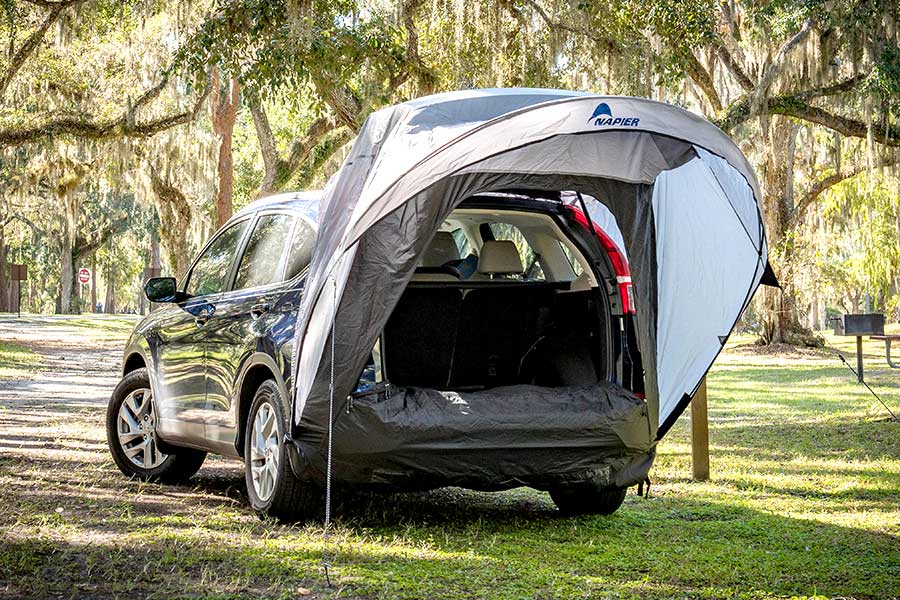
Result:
760,71
351,64
77,107
223,110
67,98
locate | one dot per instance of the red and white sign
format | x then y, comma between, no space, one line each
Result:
84,275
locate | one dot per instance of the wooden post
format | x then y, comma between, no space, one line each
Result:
700,434
859,359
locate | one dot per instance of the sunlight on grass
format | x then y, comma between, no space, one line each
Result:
803,503
16,361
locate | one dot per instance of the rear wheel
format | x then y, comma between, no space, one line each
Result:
131,421
273,488
588,499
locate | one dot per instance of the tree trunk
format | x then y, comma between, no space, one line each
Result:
111,285
175,216
4,287
781,324
154,264
223,108
70,203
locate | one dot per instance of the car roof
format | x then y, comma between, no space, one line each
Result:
306,203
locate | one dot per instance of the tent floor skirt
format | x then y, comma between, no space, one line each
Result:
494,439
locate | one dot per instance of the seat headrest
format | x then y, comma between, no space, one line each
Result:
500,257
441,251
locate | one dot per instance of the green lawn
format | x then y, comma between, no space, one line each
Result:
804,501
16,360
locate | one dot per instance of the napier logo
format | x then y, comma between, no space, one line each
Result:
603,116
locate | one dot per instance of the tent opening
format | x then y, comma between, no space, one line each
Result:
522,308
513,321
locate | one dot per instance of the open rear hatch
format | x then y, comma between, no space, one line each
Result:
508,376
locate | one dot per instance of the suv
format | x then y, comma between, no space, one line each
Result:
210,369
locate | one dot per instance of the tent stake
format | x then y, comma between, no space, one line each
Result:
700,434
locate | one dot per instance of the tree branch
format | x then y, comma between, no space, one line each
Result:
833,89
820,186
279,170
734,68
83,247
886,133
86,127
37,230
424,75
796,105
702,78
608,43
29,45
772,72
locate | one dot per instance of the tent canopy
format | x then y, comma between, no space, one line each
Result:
683,198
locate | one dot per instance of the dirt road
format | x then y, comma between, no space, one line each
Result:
64,507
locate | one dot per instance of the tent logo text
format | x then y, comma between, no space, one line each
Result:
603,116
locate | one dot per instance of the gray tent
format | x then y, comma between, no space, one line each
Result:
682,195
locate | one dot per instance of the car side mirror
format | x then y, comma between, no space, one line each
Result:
162,289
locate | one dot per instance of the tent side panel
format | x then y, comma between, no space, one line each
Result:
707,269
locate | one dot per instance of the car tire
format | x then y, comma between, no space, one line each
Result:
588,499
274,490
131,419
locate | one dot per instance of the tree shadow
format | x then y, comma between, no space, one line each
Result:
466,544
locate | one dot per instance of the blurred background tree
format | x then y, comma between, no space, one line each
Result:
108,100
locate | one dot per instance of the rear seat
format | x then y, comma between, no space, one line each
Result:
419,337
499,261
457,334
441,251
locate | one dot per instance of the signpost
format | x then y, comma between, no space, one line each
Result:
18,273
84,276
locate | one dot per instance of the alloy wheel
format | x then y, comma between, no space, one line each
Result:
136,427
265,451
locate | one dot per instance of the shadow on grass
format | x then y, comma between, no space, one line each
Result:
454,544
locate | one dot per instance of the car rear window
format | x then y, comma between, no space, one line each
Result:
301,250
262,258
530,259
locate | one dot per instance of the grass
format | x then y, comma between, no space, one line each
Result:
17,361
804,502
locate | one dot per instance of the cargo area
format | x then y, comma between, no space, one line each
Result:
480,335
498,367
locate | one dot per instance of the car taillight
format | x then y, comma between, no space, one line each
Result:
619,264
627,292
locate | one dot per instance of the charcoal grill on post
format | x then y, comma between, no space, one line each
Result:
858,326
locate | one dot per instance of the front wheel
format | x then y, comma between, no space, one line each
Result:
588,499
131,420
272,486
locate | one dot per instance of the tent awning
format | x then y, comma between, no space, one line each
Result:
683,197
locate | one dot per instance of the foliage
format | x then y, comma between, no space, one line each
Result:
868,254
312,70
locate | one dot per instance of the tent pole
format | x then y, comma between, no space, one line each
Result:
700,434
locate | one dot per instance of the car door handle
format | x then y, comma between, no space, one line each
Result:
258,310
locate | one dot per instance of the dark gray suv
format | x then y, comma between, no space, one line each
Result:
515,291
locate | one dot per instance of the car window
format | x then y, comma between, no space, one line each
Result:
462,243
530,259
210,272
262,257
301,249
573,262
